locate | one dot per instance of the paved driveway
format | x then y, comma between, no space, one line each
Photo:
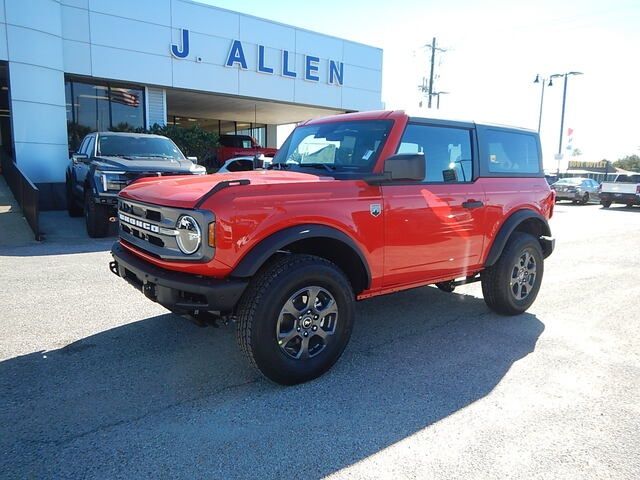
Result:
98,382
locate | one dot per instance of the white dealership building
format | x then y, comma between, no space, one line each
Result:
69,67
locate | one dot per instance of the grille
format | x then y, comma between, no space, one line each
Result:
151,228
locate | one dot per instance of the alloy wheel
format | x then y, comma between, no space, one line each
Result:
306,322
523,275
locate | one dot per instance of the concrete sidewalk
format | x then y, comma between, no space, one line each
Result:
14,229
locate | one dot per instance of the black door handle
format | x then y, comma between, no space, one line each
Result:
472,204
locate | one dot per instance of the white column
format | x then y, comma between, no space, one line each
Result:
36,79
272,136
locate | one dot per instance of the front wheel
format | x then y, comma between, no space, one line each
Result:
96,217
296,318
511,285
585,198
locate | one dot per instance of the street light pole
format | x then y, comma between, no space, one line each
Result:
537,80
564,100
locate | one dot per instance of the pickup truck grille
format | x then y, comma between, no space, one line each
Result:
152,229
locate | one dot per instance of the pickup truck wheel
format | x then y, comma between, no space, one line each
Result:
296,318
73,208
96,217
511,285
605,203
448,287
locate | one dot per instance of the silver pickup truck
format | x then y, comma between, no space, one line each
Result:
625,189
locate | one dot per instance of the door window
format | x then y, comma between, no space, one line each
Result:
90,146
447,151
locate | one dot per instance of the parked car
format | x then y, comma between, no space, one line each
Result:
232,146
245,164
353,206
577,189
625,189
108,161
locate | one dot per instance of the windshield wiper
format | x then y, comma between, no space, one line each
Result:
326,166
280,166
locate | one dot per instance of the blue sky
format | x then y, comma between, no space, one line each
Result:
495,48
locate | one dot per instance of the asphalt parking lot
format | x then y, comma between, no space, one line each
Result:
98,382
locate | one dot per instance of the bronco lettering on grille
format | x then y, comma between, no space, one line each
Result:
138,223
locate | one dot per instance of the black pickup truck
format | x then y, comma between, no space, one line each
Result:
106,162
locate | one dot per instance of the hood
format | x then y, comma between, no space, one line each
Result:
137,164
184,192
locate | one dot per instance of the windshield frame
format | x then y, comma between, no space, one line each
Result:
159,138
331,168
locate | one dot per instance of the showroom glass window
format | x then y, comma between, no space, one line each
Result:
99,106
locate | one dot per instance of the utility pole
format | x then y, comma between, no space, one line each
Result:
433,57
428,89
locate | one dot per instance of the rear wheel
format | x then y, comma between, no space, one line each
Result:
605,203
96,217
511,285
73,208
295,319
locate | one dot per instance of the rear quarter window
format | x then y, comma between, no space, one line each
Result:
509,153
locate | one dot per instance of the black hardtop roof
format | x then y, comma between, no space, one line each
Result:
468,124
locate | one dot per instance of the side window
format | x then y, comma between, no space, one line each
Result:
510,152
447,151
90,145
83,145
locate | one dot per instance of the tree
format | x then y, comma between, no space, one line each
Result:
630,162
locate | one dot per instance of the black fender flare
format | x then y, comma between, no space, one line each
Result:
509,226
261,252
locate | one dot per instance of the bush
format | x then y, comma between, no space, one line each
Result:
193,141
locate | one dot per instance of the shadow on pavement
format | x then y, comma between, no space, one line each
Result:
62,235
161,397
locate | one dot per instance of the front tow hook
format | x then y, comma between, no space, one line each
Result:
113,266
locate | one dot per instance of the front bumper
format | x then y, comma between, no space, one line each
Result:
176,291
548,244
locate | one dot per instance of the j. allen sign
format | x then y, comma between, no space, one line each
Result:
237,57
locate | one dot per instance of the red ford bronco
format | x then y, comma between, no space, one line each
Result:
353,206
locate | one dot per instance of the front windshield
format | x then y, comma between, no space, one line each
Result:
339,146
138,146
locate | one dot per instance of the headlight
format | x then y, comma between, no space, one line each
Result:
111,181
189,234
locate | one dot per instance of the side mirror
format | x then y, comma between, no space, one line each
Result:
79,157
193,159
406,166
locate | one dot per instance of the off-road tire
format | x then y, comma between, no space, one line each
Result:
96,217
73,208
496,279
261,305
